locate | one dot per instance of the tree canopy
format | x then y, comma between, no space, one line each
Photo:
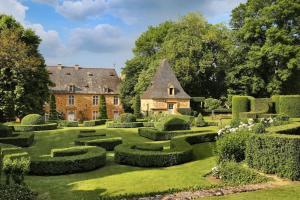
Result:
24,79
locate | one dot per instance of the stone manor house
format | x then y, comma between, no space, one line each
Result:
77,90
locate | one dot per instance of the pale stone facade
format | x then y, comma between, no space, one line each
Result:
163,105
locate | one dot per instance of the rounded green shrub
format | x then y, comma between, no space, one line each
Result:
173,122
33,119
290,105
200,121
240,104
232,146
126,118
5,131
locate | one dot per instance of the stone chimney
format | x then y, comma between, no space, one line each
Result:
59,66
77,67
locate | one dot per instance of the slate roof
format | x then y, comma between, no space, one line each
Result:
85,80
164,78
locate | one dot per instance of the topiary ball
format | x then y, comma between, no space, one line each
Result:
33,119
5,131
172,123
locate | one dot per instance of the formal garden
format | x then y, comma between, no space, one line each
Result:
163,154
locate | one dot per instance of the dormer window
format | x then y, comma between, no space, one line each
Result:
90,74
105,89
72,88
68,73
171,90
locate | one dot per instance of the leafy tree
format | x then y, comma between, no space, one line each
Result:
196,50
24,78
53,112
102,108
137,106
267,54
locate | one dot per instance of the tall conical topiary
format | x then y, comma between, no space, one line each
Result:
52,112
102,108
137,106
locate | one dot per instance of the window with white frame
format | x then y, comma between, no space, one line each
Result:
116,100
71,100
95,100
95,115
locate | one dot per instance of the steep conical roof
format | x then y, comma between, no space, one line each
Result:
164,78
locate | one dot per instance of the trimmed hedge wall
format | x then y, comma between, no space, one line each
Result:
275,99
290,130
15,191
155,134
173,122
66,123
107,143
275,153
90,134
180,152
289,105
124,125
261,105
149,147
42,127
93,159
71,151
19,139
94,122
240,104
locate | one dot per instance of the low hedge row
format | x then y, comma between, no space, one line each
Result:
180,152
155,134
256,115
90,134
275,153
107,143
9,149
19,139
41,127
289,105
15,191
94,122
47,165
290,130
72,151
149,147
124,125
66,123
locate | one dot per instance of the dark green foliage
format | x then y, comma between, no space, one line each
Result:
5,131
33,119
200,121
149,147
20,192
124,125
290,131
266,57
180,152
20,139
71,151
126,118
232,146
173,122
234,173
137,106
94,122
42,127
53,115
259,128
184,111
212,104
154,134
102,108
24,78
66,123
107,143
240,104
290,105
47,165
275,153
262,105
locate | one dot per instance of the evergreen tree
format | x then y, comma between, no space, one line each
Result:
102,108
137,106
52,112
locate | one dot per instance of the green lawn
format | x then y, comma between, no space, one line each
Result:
114,179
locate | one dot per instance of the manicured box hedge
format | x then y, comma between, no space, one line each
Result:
155,134
290,130
47,165
94,122
90,134
180,152
124,125
275,153
41,127
104,142
149,147
289,105
66,123
261,105
240,104
174,122
71,151
19,139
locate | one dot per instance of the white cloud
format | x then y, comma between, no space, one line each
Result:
14,8
103,38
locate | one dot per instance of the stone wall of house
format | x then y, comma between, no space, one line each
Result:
162,104
83,107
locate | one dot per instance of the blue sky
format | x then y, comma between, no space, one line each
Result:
101,33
